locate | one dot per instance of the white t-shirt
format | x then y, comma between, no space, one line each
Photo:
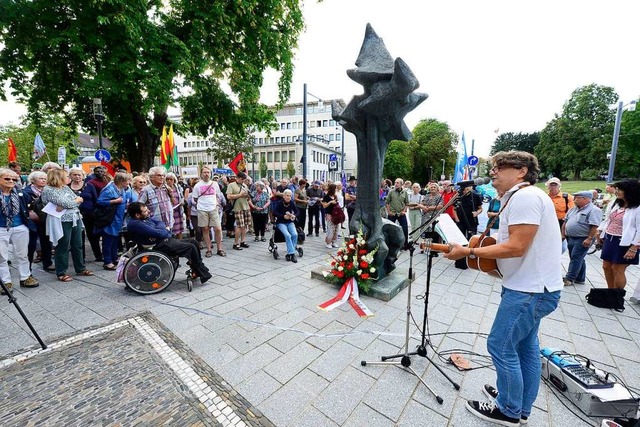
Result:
205,192
540,266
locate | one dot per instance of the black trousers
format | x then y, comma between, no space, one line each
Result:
94,239
314,213
187,248
45,246
402,220
259,223
301,219
350,212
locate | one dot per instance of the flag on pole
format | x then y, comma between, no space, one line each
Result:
238,164
38,147
174,148
110,169
461,171
12,151
343,179
164,142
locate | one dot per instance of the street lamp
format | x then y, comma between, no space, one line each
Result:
616,135
304,128
99,115
443,177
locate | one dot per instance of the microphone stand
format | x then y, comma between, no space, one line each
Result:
421,350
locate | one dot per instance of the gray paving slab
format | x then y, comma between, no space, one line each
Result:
259,328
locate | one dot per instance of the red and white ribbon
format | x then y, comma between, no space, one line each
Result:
349,291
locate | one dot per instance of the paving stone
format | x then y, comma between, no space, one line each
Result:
364,415
416,414
343,394
291,363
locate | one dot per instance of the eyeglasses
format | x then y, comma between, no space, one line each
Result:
10,179
158,174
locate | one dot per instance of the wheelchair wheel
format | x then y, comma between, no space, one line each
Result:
275,253
300,251
190,284
149,272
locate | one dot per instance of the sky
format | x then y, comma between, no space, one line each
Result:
486,65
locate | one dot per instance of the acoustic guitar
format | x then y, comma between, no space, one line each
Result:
485,265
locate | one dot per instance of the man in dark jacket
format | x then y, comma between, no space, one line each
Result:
148,231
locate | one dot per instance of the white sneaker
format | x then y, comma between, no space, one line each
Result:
334,245
328,246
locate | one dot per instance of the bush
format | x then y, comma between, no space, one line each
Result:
589,174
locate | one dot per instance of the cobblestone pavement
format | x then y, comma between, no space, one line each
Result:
258,333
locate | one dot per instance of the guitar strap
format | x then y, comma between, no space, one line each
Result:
495,218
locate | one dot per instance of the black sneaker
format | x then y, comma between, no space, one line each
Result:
488,411
492,393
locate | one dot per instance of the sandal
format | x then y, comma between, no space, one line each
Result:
110,267
65,278
221,253
237,247
50,269
208,254
85,273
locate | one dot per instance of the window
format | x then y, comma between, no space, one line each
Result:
294,125
338,137
312,124
276,156
277,176
288,139
313,155
331,137
288,125
325,123
332,123
185,144
292,155
277,140
318,123
282,125
263,156
270,157
284,156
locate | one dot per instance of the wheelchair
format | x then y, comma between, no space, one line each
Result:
149,272
278,237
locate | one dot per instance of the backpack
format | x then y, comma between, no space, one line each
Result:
565,196
37,205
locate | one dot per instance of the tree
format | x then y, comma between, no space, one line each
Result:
516,141
628,153
141,57
263,167
432,141
580,137
398,160
291,169
225,147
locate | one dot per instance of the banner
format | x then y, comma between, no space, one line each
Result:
238,164
461,171
348,292
12,151
62,156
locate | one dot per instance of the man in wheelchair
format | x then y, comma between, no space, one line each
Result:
146,232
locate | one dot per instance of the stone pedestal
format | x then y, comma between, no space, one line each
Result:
384,289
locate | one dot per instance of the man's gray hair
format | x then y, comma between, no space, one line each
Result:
157,170
288,191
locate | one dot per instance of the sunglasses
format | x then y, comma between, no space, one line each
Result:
10,179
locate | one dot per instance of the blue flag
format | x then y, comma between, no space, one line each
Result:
461,170
38,147
343,179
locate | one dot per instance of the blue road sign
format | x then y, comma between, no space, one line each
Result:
333,157
472,160
103,155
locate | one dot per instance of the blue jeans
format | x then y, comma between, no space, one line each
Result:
577,270
110,248
290,236
515,350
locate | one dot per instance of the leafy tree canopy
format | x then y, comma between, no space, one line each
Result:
580,137
398,160
432,141
515,141
140,57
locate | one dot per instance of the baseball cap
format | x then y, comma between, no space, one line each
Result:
553,180
587,194
316,182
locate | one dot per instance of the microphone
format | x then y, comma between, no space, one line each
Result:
477,181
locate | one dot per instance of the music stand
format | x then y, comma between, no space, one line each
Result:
421,350
14,301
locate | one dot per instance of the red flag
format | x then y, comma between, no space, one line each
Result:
237,164
110,169
13,152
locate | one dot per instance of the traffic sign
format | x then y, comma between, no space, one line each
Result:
333,157
472,160
333,165
103,155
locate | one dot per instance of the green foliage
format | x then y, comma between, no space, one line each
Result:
432,141
263,167
590,174
398,161
515,142
141,57
580,137
291,169
225,147
627,164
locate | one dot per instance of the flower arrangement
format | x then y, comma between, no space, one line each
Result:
353,260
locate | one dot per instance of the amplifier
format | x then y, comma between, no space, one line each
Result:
590,389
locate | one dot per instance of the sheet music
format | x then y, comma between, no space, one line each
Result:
449,231
51,209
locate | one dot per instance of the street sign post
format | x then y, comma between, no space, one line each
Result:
103,155
472,160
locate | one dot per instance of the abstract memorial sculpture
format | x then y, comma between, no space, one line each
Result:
376,118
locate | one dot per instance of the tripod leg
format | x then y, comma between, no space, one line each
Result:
438,398
13,300
422,351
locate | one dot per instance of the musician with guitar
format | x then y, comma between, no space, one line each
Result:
528,257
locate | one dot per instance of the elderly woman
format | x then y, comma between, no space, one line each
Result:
415,209
328,202
432,202
285,212
14,230
177,201
65,232
137,184
115,193
259,204
620,233
32,191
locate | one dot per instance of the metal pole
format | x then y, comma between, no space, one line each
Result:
342,152
442,167
304,133
99,117
614,144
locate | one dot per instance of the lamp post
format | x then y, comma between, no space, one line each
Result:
442,177
616,135
304,129
342,152
99,115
